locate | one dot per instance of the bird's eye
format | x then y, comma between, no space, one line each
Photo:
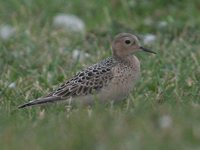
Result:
127,41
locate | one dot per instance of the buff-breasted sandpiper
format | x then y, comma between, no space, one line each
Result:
109,80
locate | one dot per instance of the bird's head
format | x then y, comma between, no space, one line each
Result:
125,44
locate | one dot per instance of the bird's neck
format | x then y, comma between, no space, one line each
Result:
130,61
125,60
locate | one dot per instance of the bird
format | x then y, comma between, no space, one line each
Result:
112,79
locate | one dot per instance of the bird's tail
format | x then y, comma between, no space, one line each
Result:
41,101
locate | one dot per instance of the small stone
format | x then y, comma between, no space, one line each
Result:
12,85
149,38
6,32
69,22
165,122
79,55
162,24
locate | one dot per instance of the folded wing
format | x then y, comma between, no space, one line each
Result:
87,81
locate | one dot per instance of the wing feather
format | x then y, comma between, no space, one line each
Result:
87,81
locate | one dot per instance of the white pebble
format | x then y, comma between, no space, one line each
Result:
165,122
6,32
12,85
69,23
79,55
149,38
162,24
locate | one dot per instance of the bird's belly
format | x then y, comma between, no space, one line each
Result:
117,90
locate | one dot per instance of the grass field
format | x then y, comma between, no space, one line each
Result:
163,111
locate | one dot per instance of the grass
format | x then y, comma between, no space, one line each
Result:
39,57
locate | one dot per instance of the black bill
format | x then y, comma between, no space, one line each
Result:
147,50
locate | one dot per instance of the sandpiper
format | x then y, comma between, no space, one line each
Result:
109,80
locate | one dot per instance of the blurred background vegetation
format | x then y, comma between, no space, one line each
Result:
36,55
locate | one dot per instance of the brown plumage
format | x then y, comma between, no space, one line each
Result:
109,80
